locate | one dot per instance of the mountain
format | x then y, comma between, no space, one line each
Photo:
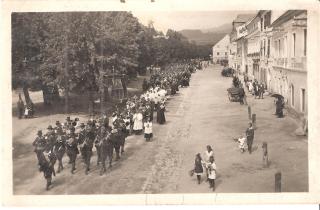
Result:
207,36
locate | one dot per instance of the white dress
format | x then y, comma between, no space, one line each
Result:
212,170
137,121
242,142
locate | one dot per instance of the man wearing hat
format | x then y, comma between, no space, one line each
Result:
72,149
250,136
87,146
39,146
50,138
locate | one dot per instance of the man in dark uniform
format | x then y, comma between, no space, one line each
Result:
50,138
72,149
87,146
48,169
39,146
114,136
250,136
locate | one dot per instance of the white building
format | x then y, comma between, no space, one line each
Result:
220,51
289,52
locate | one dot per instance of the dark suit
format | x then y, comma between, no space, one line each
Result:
250,136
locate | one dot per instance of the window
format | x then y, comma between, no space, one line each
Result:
264,47
285,46
305,42
292,95
294,44
303,100
267,20
279,47
217,53
268,49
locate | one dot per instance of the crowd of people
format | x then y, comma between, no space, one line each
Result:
135,115
254,87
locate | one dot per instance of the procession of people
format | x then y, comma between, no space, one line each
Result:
107,135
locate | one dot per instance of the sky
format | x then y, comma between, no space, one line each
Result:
178,20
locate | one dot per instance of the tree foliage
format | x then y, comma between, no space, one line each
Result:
72,51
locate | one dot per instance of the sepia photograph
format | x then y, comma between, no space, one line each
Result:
159,102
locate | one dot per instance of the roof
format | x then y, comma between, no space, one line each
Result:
242,18
286,17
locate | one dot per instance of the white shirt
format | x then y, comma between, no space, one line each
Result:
208,155
147,127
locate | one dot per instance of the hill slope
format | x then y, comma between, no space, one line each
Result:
207,36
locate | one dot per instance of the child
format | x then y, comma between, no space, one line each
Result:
242,141
198,169
212,172
148,129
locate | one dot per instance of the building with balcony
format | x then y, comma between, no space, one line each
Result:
252,66
220,51
237,39
288,76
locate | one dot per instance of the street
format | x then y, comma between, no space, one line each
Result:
197,116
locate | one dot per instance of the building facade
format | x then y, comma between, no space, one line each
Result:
289,72
252,66
271,47
237,35
220,51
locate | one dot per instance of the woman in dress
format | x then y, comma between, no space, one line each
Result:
198,169
148,129
161,119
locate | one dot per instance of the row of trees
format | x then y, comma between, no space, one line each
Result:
73,51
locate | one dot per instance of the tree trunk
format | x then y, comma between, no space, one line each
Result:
26,95
124,86
46,96
91,102
66,98
102,100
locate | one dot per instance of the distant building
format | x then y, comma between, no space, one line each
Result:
220,51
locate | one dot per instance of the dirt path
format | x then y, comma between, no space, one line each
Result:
197,116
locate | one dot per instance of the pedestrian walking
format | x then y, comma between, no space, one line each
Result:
148,129
20,106
72,149
261,90
279,107
212,173
39,147
208,154
161,119
198,168
250,136
47,170
241,95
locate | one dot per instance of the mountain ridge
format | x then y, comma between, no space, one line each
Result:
208,36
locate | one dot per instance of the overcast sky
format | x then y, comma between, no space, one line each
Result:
179,20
